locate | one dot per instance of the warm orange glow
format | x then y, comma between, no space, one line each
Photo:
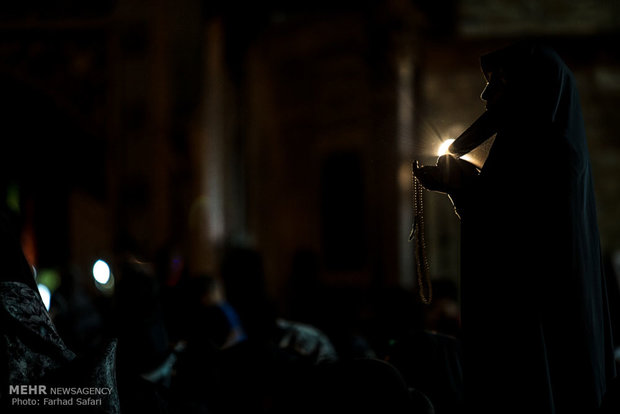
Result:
443,148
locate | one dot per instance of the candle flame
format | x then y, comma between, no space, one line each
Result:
443,148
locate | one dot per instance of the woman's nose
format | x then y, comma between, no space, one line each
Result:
492,92
484,94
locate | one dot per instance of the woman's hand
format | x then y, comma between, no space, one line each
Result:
450,175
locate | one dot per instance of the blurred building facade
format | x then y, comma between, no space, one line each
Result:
152,126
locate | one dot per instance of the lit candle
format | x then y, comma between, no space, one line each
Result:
443,148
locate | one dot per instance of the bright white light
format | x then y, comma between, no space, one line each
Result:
443,148
46,295
101,272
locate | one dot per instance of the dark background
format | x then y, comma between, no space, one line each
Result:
172,129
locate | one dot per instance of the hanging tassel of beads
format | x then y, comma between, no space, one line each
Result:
419,243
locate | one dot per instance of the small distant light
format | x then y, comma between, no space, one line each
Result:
101,272
12,197
443,148
48,277
46,295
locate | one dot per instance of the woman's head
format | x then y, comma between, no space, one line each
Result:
525,81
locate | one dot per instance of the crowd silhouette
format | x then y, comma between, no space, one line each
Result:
217,344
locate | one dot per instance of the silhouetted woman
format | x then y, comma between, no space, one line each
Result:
534,305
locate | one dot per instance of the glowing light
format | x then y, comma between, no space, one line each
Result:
46,295
101,272
12,197
443,148
49,278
